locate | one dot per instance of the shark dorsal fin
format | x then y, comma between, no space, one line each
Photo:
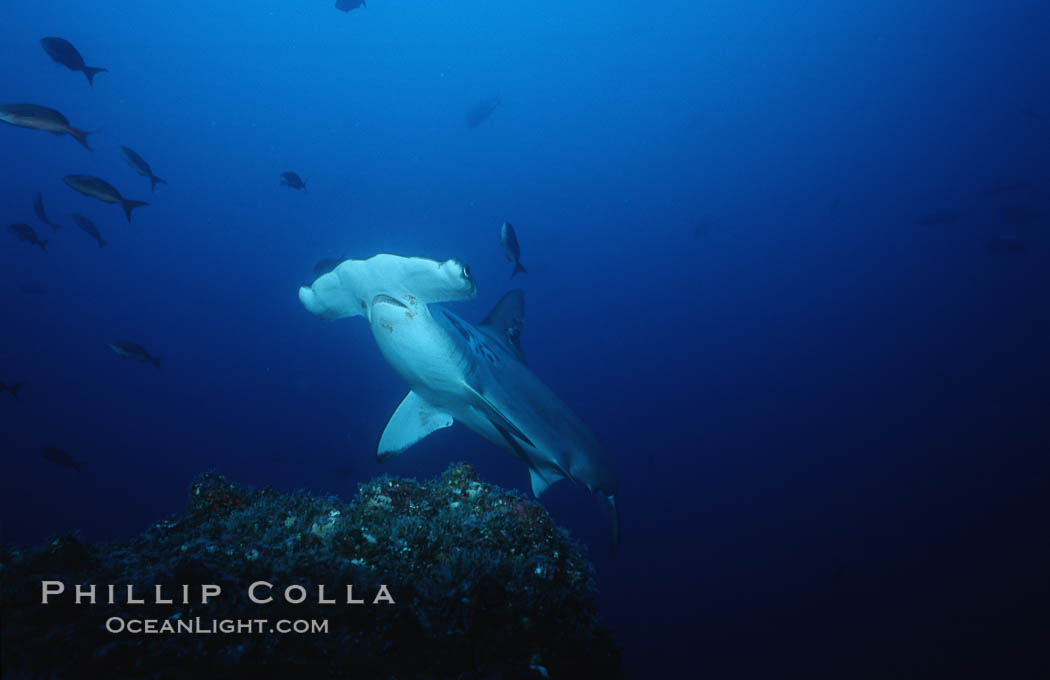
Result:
506,320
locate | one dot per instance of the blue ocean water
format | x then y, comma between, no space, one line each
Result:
830,412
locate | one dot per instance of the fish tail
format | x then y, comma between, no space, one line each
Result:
130,205
81,136
155,361
518,268
54,226
154,181
90,72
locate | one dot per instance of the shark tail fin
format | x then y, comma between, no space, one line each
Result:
43,244
518,267
76,465
154,181
102,242
81,136
130,205
14,390
155,361
90,72
54,226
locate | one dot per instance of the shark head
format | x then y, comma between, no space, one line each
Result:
352,287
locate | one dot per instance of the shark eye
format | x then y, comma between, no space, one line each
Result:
466,272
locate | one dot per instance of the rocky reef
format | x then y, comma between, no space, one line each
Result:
451,578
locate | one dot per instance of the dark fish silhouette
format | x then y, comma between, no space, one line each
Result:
102,190
13,389
510,246
131,350
327,264
480,113
292,180
1005,244
139,164
63,52
57,456
38,208
33,289
347,5
24,232
1019,217
940,217
41,118
89,226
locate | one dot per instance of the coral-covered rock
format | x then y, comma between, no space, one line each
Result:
449,578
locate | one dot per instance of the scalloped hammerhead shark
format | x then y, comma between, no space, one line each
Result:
458,371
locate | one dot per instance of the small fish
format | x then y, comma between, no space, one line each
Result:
510,246
24,232
41,118
139,165
13,389
55,455
347,5
940,217
102,190
63,52
480,113
292,180
38,208
1005,244
327,264
89,226
131,350
1018,216
33,289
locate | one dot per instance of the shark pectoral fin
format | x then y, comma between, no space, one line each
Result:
498,420
539,484
413,420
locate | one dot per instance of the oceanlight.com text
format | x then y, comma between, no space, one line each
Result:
199,626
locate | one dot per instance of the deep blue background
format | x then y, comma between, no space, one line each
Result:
831,422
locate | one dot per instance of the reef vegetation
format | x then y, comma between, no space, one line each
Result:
484,586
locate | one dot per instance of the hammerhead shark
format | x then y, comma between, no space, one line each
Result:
458,371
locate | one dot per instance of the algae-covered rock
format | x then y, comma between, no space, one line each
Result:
451,578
